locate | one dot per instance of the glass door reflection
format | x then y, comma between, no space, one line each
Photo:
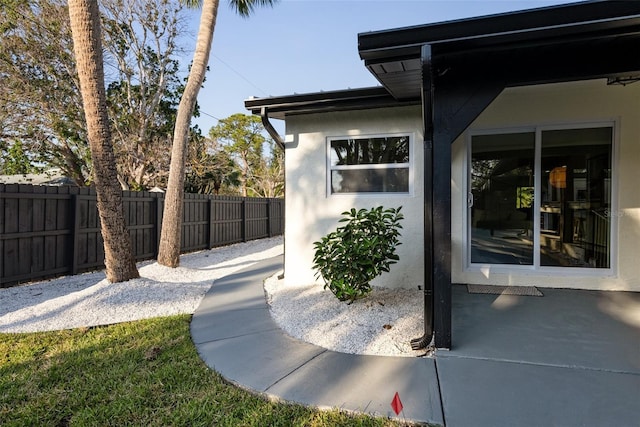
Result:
576,198
502,198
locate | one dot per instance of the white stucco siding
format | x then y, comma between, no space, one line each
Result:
560,104
312,213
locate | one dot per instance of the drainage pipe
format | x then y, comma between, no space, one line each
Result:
427,118
264,114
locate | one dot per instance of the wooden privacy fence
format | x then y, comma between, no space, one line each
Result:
51,231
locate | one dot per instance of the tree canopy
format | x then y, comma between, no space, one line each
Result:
40,91
259,164
42,124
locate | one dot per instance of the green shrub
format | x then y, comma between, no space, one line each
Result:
350,257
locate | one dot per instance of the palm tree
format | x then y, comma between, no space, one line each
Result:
169,249
87,42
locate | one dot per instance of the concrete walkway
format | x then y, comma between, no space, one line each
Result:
500,379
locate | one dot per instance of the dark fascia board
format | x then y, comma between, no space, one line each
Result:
350,99
548,22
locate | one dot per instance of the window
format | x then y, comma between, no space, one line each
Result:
541,198
378,164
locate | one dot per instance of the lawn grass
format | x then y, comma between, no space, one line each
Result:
143,373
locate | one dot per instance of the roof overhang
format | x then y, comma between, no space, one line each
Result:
578,41
586,40
322,102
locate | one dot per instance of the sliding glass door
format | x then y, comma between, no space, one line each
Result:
541,198
502,192
575,194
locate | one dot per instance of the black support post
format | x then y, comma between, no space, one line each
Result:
437,206
452,98
441,238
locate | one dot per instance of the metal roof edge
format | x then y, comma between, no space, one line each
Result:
339,100
377,44
310,97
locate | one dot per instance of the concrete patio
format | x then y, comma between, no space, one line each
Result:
570,358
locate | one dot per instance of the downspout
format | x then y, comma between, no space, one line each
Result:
264,114
427,118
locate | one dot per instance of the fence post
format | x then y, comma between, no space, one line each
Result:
211,231
75,231
159,207
244,220
269,233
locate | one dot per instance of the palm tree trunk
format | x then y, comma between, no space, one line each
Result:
87,42
169,250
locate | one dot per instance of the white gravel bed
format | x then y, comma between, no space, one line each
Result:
90,300
380,324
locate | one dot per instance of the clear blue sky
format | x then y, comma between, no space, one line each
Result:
302,46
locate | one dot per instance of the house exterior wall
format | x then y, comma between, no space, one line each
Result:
562,104
312,213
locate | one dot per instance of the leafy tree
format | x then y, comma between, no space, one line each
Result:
233,160
268,178
142,154
42,96
86,30
16,161
211,170
169,250
140,40
40,88
242,137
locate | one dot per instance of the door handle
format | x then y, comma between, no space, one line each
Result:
470,199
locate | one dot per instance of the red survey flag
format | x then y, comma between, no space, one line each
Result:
396,404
